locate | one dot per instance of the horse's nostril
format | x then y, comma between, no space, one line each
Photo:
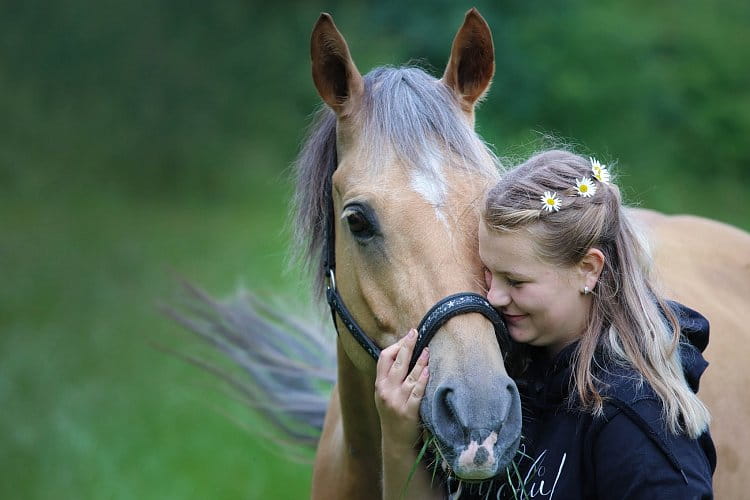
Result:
445,415
444,399
512,389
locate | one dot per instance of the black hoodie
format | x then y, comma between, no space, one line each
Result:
626,453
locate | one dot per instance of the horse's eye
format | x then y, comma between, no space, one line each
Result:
362,222
359,225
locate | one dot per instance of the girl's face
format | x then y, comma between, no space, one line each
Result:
541,303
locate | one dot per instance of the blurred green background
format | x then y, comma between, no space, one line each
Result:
140,140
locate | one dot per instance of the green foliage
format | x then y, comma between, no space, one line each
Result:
161,99
657,87
144,137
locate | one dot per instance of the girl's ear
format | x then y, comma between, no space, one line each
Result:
590,267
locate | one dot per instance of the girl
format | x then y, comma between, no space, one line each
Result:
610,368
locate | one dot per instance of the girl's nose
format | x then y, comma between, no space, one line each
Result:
497,295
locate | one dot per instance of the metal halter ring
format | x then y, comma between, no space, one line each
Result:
331,280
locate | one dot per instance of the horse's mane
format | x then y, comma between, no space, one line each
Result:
406,113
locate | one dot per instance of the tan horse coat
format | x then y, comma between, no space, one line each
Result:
706,265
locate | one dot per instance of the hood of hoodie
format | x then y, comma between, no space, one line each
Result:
695,330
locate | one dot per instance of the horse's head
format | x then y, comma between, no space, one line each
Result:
406,180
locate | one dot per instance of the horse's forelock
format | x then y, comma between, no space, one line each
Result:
406,113
414,116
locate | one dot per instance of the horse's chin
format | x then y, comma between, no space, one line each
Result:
496,465
474,462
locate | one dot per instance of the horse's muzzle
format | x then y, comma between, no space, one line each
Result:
477,431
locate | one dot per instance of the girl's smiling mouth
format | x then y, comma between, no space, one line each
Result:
514,318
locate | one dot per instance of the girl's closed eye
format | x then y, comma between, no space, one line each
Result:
512,282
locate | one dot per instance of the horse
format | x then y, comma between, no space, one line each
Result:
408,173
388,185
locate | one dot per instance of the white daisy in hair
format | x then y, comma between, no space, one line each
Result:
600,171
585,187
550,201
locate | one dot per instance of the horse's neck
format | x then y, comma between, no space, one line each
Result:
361,424
348,459
360,421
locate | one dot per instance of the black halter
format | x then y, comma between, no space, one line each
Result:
436,317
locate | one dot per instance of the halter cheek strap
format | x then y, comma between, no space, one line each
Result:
339,308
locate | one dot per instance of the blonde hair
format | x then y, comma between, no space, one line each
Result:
629,323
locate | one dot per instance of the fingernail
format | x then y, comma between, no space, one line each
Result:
412,333
424,354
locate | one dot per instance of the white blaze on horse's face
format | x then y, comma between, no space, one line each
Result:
431,185
411,173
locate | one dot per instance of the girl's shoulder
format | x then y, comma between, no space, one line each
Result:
632,419
632,445
624,383
633,412
620,380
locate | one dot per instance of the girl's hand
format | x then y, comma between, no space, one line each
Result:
398,394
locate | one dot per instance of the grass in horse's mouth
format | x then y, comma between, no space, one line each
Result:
430,442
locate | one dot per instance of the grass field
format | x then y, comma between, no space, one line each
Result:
90,409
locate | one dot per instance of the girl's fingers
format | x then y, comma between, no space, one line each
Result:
417,392
415,372
401,364
397,396
386,359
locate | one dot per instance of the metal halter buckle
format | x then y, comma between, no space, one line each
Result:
331,280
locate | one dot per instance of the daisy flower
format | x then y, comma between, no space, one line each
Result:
550,201
585,187
600,171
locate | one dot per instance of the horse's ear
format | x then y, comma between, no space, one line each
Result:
333,70
472,63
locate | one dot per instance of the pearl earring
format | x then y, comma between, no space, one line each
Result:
586,290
